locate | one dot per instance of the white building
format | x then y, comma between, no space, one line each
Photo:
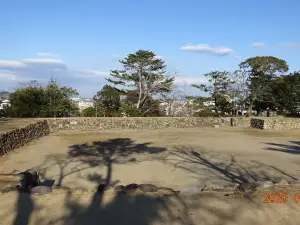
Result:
209,103
175,108
4,103
83,103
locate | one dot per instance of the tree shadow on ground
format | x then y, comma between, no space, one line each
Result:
24,209
292,148
127,209
142,209
146,209
112,151
124,208
131,209
97,155
89,155
230,170
66,166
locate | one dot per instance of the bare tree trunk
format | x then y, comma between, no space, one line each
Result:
250,107
216,108
140,91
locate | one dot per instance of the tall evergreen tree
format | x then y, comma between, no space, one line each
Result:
143,75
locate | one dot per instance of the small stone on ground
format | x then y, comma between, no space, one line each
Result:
246,187
282,182
131,187
119,188
40,190
264,184
148,187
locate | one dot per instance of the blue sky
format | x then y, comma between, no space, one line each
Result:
78,42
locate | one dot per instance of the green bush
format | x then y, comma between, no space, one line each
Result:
206,113
131,111
89,112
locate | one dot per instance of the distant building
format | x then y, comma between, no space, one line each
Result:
175,108
4,103
209,103
83,103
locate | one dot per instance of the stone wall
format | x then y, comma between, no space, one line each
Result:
267,123
104,123
18,137
281,123
240,122
257,123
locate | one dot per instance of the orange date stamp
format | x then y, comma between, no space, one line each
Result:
281,197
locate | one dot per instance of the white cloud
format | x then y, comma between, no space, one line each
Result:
87,82
7,64
47,54
13,72
204,48
258,44
43,61
291,44
88,73
190,80
7,75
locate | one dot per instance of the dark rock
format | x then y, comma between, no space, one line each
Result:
48,183
119,188
148,187
40,190
246,187
131,187
101,188
30,178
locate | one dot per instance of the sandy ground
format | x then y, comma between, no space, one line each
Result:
12,124
77,208
184,159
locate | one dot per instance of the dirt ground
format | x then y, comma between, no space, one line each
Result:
12,124
183,159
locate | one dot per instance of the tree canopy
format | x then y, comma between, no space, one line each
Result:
144,75
260,71
285,91
142,87
35,100
220,90
108,101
